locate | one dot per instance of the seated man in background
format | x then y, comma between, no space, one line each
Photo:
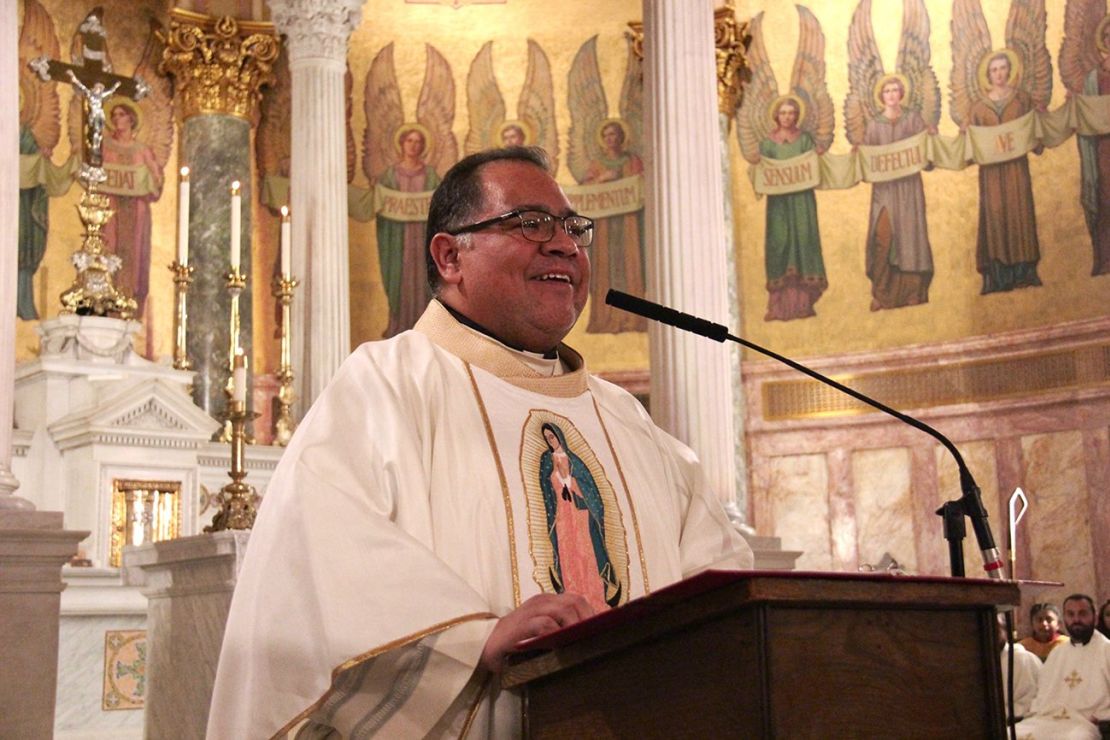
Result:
457,489
1045,620
1073,692
1027,667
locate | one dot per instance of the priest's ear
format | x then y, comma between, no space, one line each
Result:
445,250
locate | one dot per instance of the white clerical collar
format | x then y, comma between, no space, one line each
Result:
548,367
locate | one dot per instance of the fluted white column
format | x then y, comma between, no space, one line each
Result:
9,236
316,34
691,394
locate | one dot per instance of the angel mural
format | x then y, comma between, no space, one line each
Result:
535,121
603,151
40,128
883,108
991,88
780,127
403,157
1085,69
135,149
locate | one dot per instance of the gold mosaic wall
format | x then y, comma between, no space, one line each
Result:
844,321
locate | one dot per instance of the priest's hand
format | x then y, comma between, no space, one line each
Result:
539,615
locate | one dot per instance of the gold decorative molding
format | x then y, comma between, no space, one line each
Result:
731,38
975,381
219,65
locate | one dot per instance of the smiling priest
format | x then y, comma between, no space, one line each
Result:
457,489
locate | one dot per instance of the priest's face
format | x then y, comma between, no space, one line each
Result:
1079,618
527,294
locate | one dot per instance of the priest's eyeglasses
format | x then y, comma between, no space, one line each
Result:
539,226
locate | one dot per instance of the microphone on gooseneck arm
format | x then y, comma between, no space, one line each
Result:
970,504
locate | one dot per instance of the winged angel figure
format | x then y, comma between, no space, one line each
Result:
1085,69
603,152
782,127
992,88
135,151
40,128
882,109
535,122
407,157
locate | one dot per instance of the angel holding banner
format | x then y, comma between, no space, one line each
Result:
535,122
39,131
1085,69
602,151
407,158
785,127
880,110
991,88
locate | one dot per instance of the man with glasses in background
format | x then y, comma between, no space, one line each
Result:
458,489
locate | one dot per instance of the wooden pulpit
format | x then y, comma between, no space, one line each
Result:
762,654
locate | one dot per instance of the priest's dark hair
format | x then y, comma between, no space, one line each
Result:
458,198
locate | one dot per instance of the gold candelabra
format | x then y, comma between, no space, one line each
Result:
182,278
236,282
284,425
236,498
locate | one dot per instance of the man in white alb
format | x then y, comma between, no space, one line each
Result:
457,489
1073,691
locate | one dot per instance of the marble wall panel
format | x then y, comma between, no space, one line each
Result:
1059,532
80,712
800,507
884,508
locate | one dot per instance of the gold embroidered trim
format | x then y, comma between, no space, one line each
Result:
500,477
475,349
474,707
627,495
371,654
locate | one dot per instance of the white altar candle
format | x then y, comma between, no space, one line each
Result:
286,253
236,219
239,377
183,218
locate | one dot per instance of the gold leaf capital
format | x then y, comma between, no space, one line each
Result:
219,65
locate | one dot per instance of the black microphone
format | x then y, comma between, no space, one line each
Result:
970,505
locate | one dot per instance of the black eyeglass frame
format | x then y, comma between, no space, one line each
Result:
517,213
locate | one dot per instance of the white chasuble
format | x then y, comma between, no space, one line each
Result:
438,482
1073,692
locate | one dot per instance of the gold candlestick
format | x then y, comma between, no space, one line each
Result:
284,425
236,498
182,279
236,282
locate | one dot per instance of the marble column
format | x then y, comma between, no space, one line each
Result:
33,549
219,67
687,247
189,582
9,234
316,34
729,37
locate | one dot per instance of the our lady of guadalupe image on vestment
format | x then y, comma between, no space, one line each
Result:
577,536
